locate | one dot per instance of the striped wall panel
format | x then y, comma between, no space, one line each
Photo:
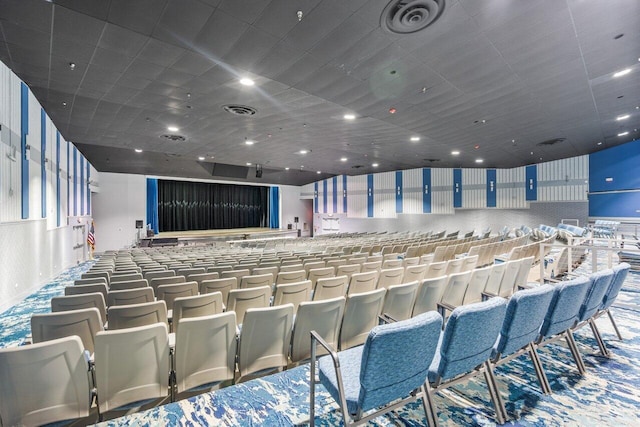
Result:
441,191
412,191
384,196
474,183
564,180
511,189
357,196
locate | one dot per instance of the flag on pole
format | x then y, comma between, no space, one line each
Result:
91,238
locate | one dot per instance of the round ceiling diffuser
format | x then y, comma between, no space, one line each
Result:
410,16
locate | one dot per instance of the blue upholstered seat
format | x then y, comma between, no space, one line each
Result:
619,275
465,346
565,305
600,283
392,364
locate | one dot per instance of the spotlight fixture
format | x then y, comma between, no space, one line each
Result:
622,72
415,138
349,117
599,142
343,159
455,153
286,169
245,81
201,158
72,66
137,150
173,128
303,151
319,172
64,103
249,142
479,160
375,165
623,117
623,133
248,163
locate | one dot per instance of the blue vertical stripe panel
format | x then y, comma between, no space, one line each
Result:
398,191
335,194
81,185
315,197
370,195
344,193
24,130
75,181
531,178
491,188
274,207
88,189
457,188
57,179
43,169
324,196
426,190
152,204
68,180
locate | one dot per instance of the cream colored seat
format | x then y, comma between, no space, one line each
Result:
330,287
87,289
469,263
429,294
205,351
186,272
409,261
165,281
362,282
96,274
240,300
477,284
371,266
436,269
392,263
293,293
130,296
265,339
124,376
131,316
311,265
285,268
390,276
238,274
414,273
168,293
201,277
399,301
85,323
454,292
78,302
523,273
495,278
150,275
93,281
256,281
273,270
360,316
348,270
454,266
44,383
324,317
124,277
219,285
196,306
128,284
320,273
507,284
290,276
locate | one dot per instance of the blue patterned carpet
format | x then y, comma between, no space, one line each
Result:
609,395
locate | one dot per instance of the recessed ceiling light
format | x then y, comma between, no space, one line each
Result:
343,159
349,117
247,81
455,153
249,142
415,138
248,163
375,165
173,128
479,160
286,169
138,150
622,72
623,133
599,142
303,151
201,158
72,65
64,104
623,117
319,172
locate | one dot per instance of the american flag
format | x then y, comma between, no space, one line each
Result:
91,238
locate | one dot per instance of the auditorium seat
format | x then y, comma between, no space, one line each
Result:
360,316
128,284
454,291
159,281
124,277
390,276
477,285
319,273
414,273
219,285
78,302
330,287
291,276
200,277
134,315
256,281
362,282
400,299
130,296
84,323
292,293
196,306
86,289
429,294
168,293
240,300
92,281
158,274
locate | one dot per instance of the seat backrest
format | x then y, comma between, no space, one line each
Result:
495,278
390,276
265,338
159,281
43,383
186,272
273,270
400,299
124,376
362,282
331,287
240,300
600,283
96,274
565,305
619,275
392,263
429,294
310,265
455,289
507,284
256,281
320,273
200,277
348,270
85,323
128,284
477,284
150,275
195,306
523,318
124,277
131,316
414,273
436,269
523,272
86,289
469,336
454,266
92,281
469,263
291,276
219,285
168,293
296,266
78,302
371,266
205,350
293,293
238,274
360,316
396,358
324,317
336,262
407,261
130,296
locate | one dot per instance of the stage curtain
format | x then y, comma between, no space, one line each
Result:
186,205
152,203
274,207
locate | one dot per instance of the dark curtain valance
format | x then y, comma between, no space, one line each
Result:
185,205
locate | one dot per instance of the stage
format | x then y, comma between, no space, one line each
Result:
231,235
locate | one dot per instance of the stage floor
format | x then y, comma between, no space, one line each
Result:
194,234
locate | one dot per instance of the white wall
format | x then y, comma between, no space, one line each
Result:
293,206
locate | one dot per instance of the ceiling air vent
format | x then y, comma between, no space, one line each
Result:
430,160
410,16
553,141
356,166
240,110
173,138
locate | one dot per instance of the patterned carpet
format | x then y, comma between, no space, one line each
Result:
609,395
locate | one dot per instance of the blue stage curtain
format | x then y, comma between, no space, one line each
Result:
274,207
152,203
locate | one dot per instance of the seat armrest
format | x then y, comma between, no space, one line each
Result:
316,338
385,318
